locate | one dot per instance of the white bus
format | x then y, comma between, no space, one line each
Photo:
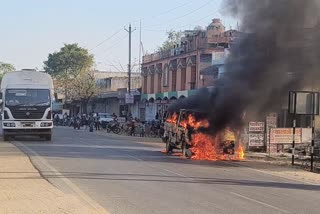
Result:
26,99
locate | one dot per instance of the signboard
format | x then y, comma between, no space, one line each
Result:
284,135
306,135
256,127
121,119
304,102
256,139
129,98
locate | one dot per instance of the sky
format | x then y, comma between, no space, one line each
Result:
31,29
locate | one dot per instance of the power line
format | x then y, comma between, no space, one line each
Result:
166,11
108,38
115,43
173,9
187,14
186,25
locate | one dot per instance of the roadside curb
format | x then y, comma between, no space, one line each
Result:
77,192
25,190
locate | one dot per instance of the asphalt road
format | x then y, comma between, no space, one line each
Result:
127,176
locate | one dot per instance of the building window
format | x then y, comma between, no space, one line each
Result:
159,82
152,84
165,77
108,83
145,84
193,77
183,78
174,80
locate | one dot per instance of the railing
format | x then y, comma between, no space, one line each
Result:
172,52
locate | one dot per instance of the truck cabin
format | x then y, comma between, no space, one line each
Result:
191,116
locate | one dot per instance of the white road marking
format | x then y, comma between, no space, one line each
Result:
68,182
260,202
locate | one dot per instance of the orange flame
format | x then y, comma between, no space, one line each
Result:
173,118
240,153
205,146
193,123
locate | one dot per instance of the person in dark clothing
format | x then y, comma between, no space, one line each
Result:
132,127
164,116
97,123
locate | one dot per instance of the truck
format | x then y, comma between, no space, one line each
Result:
26,99
178,135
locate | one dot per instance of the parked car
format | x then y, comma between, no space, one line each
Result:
105,119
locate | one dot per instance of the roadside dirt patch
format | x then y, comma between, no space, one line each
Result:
23,190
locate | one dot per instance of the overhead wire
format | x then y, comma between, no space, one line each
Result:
160,14
184,15
103,41
186,25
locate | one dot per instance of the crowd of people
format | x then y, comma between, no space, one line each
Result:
131,126
78,120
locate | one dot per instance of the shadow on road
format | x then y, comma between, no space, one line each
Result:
165,179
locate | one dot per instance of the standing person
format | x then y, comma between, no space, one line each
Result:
56,119
157,116
91,123
114,116
143,129
132,127
86,121
97,122
164,117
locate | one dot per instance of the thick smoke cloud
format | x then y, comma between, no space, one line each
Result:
278,51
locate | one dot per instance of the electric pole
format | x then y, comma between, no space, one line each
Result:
129,65
140,48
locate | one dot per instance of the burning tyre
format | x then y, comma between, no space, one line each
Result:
187,131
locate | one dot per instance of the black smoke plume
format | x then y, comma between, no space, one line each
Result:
278,51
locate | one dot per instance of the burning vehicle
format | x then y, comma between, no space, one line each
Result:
187,130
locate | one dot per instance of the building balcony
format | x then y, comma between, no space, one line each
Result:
173,52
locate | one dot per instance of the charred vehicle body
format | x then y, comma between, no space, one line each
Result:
181,129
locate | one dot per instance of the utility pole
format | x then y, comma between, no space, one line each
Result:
129,65
140,47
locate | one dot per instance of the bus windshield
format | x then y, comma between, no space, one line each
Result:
27,97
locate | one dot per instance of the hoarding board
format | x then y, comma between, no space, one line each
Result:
306,135
129,98
284,135
121,119
256,127
256,139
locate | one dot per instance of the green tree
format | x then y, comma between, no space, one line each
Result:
174,38
68,63
4,68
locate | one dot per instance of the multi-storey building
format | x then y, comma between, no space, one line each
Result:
178,73
112,87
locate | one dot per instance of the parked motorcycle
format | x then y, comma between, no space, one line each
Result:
113,127
77,123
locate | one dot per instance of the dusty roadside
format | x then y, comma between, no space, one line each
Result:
280,166
23,190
